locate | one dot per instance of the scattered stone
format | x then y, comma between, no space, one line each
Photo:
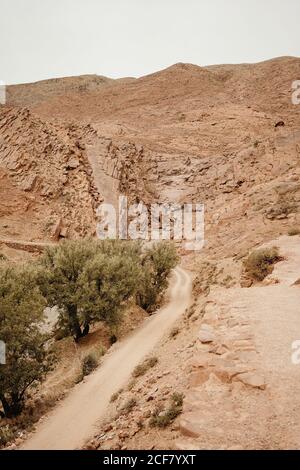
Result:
199,361
72,164
199,378
206,334
191,424
108,428
246,282
57,230
252,380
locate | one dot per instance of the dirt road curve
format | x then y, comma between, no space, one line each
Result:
74,420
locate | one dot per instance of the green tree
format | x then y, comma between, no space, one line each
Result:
89,281
21,317
158,262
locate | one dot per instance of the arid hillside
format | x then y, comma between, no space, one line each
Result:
47,189
227,136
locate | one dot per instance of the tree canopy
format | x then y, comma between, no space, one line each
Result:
21,315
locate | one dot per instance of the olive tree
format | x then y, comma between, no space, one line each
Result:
21,316
89,280
158,262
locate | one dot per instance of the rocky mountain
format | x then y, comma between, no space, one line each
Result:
226,136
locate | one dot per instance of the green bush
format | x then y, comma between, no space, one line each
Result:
162,420
21,316
157,264
7,434
89,364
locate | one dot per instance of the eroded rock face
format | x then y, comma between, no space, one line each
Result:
185,134
46,164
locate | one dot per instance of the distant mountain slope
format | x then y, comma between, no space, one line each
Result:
30,93
190,133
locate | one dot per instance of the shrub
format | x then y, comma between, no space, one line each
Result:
113,339
259,263
142,368
157,264
99,351
294,231
177,398
7,434
115,395
79,377
190,312
163,420
128,406
89,363
21,316
131,385
174,332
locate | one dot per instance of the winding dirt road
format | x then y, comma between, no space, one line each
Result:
74,420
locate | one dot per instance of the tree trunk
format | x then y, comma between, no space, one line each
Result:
86,329
6,407
11,409
74,322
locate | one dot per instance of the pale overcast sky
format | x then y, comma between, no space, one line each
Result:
54,38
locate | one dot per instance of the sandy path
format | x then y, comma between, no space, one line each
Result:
74,420
273,312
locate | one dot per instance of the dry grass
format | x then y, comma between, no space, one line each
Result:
10,429
128,406
131,385
116,395
260,263
294,231
174,332
142,368
89,364
163,419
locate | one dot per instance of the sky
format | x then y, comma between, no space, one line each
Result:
42,39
